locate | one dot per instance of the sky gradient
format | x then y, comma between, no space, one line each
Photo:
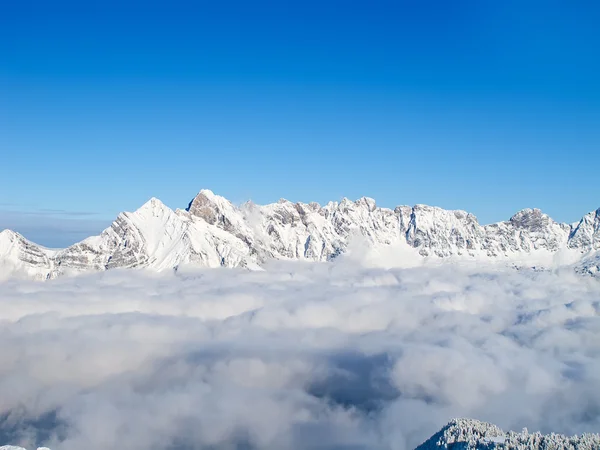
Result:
479,105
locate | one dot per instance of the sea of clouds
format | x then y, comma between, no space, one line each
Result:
299,356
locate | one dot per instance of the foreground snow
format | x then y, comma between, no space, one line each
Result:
13,447
467,434
212,232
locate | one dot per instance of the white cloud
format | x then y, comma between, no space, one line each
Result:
300,356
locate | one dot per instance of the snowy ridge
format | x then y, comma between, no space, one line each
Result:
212,232
20,257
467,434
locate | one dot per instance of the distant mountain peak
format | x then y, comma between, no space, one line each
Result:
153,204
531,218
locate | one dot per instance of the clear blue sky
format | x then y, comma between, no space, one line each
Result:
488,106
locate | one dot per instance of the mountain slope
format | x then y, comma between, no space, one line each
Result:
18,256
157,237
212,232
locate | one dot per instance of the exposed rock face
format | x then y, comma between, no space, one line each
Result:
213,232
586,234
443,233
589,266
18,255
467,434
526,231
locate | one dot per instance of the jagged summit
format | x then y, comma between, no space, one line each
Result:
210,207
586,233
213,232
531,219
206,195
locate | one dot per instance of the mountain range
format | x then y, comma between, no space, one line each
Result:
213,232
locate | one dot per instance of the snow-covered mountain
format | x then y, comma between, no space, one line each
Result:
468,434
213,232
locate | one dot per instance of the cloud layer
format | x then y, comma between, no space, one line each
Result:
300,356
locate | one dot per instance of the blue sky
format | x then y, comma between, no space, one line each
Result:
480,105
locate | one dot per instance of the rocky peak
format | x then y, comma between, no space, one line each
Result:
586,233
368,202
220,212
216,210
205,206
530,219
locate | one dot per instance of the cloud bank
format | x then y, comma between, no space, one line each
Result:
299,356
